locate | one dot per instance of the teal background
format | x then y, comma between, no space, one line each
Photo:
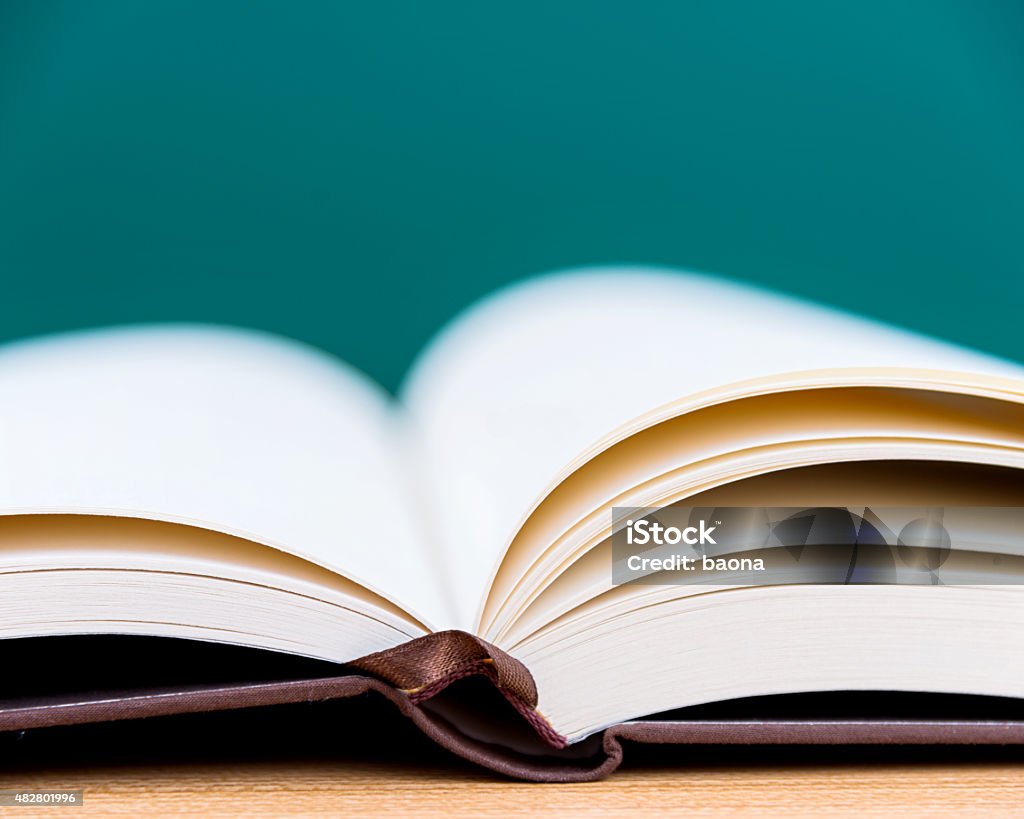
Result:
354,174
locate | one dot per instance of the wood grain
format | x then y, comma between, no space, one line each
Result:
350,788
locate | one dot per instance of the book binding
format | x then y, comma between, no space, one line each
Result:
410,675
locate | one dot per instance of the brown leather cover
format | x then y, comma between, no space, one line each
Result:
426,666
412,674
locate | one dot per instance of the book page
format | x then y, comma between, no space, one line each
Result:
228,429
515,390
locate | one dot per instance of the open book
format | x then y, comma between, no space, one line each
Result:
229,486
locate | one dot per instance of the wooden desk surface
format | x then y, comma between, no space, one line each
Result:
373,789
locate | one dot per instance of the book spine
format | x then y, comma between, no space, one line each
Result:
426,666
